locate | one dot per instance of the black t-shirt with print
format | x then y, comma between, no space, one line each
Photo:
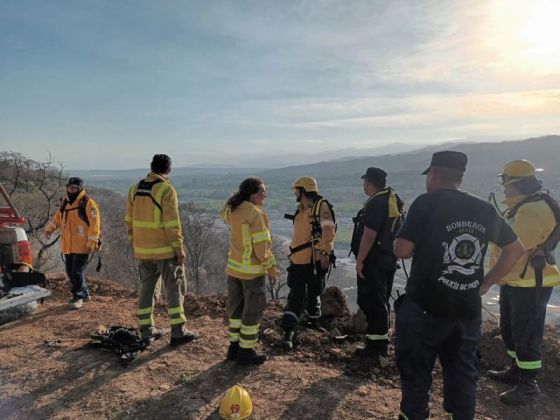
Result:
451,230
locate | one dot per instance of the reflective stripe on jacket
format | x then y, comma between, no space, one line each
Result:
155,234
250,251
76,237
533,223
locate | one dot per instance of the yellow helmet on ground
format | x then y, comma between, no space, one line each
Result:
515,170
236,404
308,184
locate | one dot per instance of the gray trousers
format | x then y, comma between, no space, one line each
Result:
246,300
174,281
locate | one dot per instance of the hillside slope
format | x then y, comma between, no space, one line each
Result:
320,380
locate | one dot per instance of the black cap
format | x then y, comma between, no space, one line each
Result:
448,159
75,180
373,173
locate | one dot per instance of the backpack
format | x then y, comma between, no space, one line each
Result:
395,211
125,342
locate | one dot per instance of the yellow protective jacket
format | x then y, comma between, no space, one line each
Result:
302,233
533,223
250,249
75,234
154,234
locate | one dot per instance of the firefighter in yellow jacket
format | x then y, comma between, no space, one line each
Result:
79,222
154,230
526,290
311,253
250,260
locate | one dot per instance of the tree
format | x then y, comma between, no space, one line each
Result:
116,252
33,186
276,291
205,246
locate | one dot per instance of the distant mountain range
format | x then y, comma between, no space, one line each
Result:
255,165
281,161
340,179
544,151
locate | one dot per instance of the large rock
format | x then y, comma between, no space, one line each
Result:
359,323
333,303
17,312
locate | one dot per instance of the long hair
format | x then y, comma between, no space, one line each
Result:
247,188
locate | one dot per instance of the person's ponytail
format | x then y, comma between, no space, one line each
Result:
247,188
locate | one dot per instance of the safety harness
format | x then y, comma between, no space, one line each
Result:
316,230
82,214
125,342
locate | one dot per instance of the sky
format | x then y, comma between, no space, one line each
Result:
106,84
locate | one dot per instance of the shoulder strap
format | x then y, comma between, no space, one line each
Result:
63,205
144,189
82,209
316,210
547,247
377,194
530,199
316,213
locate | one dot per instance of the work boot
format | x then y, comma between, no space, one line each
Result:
76,303
250,357
186,337
232,351
149,335
287,342
508,376
314,324
524,393
371,349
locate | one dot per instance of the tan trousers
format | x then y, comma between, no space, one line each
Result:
175,284
247,300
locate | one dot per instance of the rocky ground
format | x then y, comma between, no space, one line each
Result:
40,378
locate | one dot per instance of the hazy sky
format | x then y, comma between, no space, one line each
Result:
105,84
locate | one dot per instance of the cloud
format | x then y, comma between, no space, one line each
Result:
209,77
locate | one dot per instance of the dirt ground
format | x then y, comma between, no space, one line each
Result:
318,380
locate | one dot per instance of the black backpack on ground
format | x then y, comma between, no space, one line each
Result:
126,342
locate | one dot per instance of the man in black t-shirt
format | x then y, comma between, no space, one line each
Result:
447,232
372,244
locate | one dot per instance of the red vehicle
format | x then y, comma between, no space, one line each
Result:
19,283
